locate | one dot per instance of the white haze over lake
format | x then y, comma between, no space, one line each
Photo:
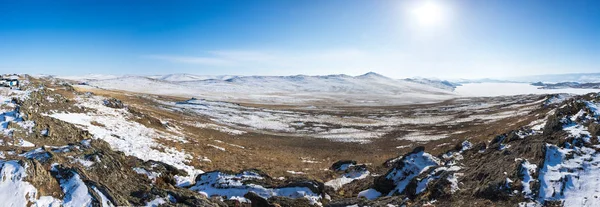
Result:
510,89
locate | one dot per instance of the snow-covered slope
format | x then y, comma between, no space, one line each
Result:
189,77
89,77
443,84
367,89
368,83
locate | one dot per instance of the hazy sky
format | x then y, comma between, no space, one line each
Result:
444,38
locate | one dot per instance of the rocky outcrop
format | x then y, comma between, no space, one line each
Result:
404,170
342,165
113,103
38,175
235,185
47,130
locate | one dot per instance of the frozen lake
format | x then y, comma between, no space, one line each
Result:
509,89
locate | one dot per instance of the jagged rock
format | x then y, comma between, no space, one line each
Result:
342,165
553,124
41,178
257,201
440,188
57,132
68,87
254,181
594,129
344,202
185,197
404,170
380,202
493,191
497,141
65,174
113,103
236,203
314,186
145,119
167,172
278,201
356,186
512,136
570,107
553,204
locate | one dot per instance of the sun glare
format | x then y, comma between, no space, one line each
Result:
429,14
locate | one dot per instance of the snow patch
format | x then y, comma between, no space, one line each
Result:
76,192
370,194
571,175
151,175
12,178
527,170
347,178
413,165
127,136
233,187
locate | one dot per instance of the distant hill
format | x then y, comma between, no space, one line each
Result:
370,88
180,77
567,85
87,77
366,83
442,84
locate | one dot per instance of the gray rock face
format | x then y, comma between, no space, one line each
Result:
113,103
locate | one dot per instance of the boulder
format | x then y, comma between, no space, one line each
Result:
113,103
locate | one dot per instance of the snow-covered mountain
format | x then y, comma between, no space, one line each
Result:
370,88
443,84
566,85
367,89
180,77
88,77
367,83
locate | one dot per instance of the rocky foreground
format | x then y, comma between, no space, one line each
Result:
61,147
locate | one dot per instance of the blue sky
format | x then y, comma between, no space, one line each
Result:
474,39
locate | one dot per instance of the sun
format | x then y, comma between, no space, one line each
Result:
429,14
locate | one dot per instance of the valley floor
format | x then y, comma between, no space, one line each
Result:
281,139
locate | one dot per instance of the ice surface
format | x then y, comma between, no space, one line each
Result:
510,89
